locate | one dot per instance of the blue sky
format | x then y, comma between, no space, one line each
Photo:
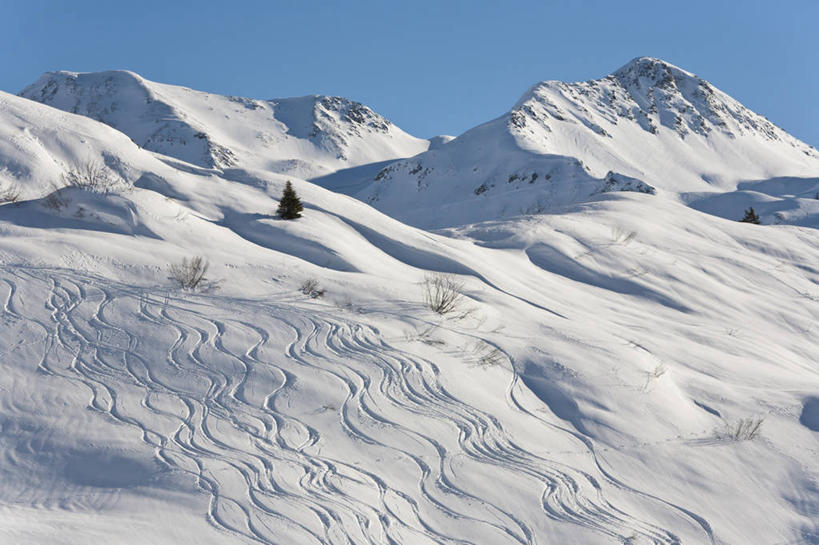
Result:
431,67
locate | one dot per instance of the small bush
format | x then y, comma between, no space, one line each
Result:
425,336
311,287
746,429
483,354
9,195
90,175
655,374
308,285
190,273
750,216
621,237
443,293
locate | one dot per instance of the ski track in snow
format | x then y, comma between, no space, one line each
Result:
266,463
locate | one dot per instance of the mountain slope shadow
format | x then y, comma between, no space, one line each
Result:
552,260
72,208
410,255
102,469
783,200
262,230
545,389
810,414
350,181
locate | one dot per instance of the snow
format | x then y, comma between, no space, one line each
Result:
794,201
649,121
612,338
304,136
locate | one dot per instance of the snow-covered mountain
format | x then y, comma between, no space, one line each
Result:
602,381
305,136
648,127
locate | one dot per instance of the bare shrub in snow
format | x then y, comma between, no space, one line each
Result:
425,336
312,288
190,274
746,429
348,305
90,175
621,236
308,285
483,354
443,293
9,195
655,374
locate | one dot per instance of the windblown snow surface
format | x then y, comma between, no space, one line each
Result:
592,388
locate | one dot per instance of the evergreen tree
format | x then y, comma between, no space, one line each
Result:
751,216
290,204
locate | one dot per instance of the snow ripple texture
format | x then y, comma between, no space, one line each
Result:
303,426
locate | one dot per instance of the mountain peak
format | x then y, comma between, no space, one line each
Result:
649,127
649,93
48,82
650,72
647,63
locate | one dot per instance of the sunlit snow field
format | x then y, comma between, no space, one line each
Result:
625,366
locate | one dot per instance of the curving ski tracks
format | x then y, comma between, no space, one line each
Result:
303,427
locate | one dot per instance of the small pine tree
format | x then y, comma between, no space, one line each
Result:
290,204
751,216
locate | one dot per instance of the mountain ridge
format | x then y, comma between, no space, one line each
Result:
303,136
648,126
649,121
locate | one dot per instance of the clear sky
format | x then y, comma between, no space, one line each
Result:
432,67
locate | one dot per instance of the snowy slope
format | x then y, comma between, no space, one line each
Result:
790,200
304,136
649,126
587,396
39,145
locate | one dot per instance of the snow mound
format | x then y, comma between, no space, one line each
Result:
40,145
